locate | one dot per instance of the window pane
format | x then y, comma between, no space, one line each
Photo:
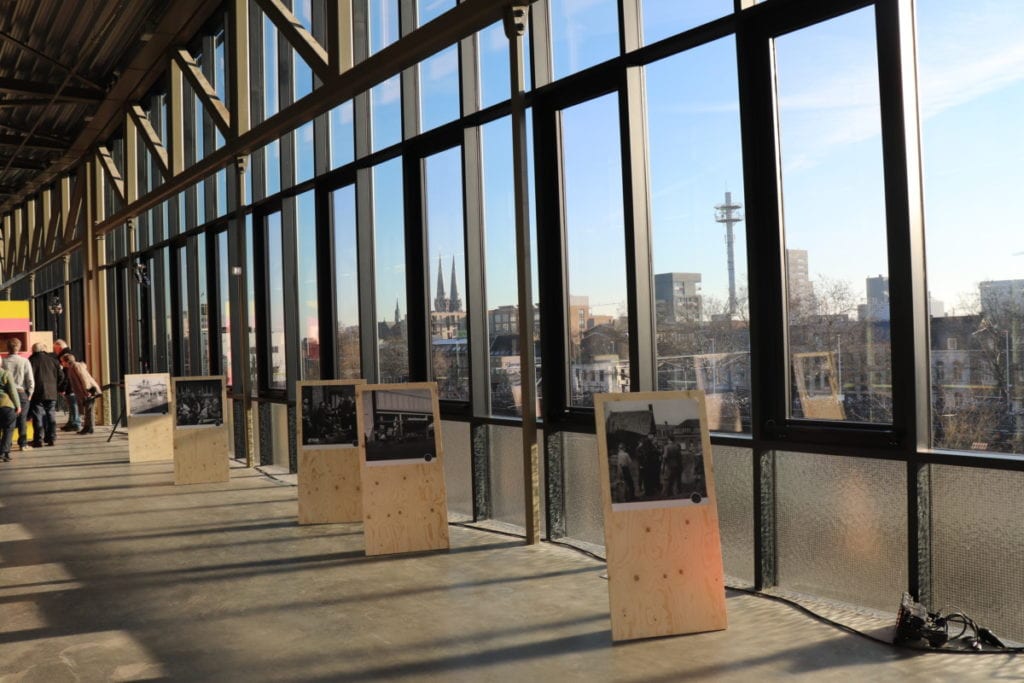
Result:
494,68
383,24
972,93
309,320
664,18
583,33
442,174
342,143
439,88
346,282
270,65
700,282
204,306
304,151
385,100
389,260
303,74
598,337
181,264
834,217
276,372
224,285
432,9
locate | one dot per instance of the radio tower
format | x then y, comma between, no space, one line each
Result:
729,214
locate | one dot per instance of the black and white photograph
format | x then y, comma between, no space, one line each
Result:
329,416
198,403
654,453
399,426
147,394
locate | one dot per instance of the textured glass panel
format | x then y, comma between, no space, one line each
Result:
978,546
842,528
458,469
584,514
734,486
508,503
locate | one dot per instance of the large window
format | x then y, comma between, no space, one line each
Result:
447,282
309,323
972,93
834,220
184,303
583,33
274,333
700,282
389,264
346,283
598,334
224,280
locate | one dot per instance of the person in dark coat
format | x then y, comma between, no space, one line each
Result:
48,375
61,348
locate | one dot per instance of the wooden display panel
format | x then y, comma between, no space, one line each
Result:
329,471
150,411
665,573
405,507
200,442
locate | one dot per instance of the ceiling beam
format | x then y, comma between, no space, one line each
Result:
298,37
6,37
42,137
22,164
7,140
20,86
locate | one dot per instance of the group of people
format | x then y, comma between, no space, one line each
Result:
29,389
332,421
656,469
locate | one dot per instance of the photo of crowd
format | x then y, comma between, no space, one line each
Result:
198,403
654,452
329,415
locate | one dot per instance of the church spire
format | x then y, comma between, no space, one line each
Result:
454,302
397,312
440,300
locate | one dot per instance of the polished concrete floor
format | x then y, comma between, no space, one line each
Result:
110,572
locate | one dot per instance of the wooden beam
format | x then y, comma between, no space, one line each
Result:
76,205
339,35
31,143
238,67
150,138
113,173
298,37
207,94
176,118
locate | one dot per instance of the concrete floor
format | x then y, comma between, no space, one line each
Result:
110,572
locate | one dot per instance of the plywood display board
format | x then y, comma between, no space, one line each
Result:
405,506
201,434
150,411
661,531
327,439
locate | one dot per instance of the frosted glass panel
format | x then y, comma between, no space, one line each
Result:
978,546
734,484
584,517
506,458
458,471
842,528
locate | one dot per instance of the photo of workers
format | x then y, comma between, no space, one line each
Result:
654,454
329,415
197,402
399,425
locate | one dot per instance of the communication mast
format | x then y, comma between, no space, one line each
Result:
729,214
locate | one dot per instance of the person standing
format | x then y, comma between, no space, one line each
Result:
83,386
60,348
10,408
48,375
20,371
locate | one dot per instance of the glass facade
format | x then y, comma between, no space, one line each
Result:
729,207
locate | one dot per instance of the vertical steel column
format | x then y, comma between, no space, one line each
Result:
515,27
132,292
66,332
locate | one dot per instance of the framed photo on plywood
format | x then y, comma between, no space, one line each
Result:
398,423
198,402
147,394
328,414
653,451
